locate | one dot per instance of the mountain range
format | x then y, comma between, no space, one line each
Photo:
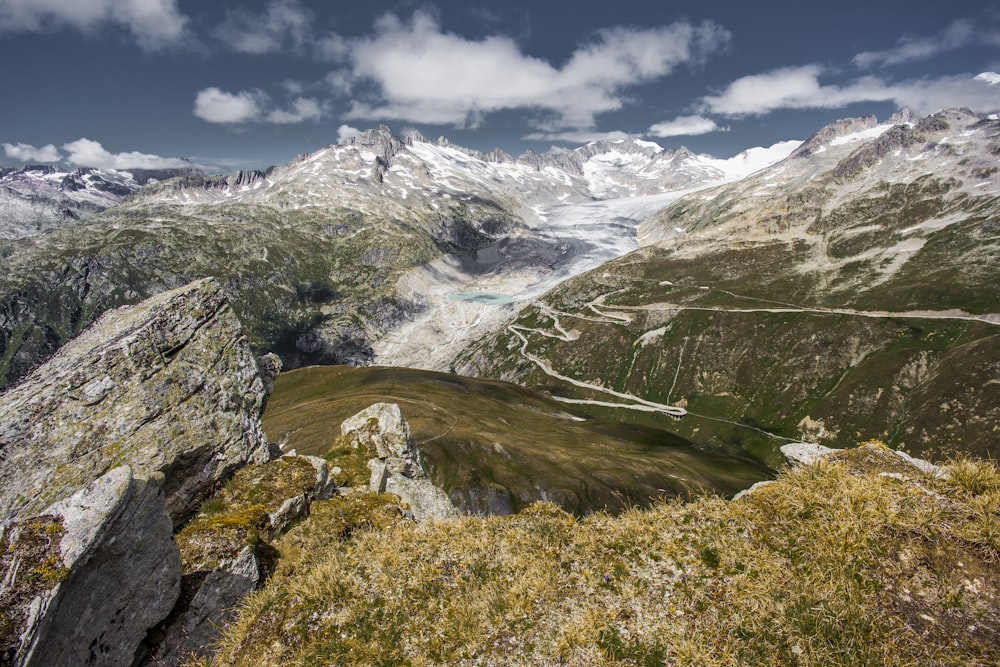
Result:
311,252
825,289
631,335
37,198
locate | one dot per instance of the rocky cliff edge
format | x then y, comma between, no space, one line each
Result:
168,386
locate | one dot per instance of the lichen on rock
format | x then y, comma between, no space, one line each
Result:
83,581
396,466
169,385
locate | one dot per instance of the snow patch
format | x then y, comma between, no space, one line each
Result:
863,135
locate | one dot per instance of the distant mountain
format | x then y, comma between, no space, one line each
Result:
312,253
38,198
847,292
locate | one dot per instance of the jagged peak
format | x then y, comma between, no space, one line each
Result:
415,137
904,116
245,178
500,156
629,145
837,128
380,139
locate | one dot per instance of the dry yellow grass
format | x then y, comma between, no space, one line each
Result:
833,564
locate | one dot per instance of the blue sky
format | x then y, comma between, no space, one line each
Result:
231,84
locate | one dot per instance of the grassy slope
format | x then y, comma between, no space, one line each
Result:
833,564
926,385
498,446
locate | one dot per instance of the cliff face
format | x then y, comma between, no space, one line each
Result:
104,450
84,581
169,386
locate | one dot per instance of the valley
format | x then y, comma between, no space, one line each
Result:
826,290
606,360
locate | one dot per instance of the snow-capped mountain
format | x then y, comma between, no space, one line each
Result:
37,198
379,169
848,291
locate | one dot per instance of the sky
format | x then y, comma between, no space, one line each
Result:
233,84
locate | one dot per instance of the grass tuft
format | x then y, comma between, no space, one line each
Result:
830,565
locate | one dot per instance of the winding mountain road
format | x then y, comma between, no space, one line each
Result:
604,310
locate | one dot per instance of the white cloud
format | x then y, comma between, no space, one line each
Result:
217,106
28,153
284,22
88,153
992,78
302,109
154,24
800,88
685,126
929,95
960,33
251,106
345,132
424,75
577,136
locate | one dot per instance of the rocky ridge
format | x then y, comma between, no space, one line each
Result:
107,448
396,467
169,386
38,198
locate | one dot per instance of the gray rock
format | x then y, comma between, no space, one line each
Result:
921,464
397,467
116,574
325,487
426,499
753,488
169,385
291,510
804,453
382,429
380,475
213,606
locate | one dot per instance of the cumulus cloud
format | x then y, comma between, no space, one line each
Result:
800,88
421,74
154,24
28,153
284,23
345,132
252,106
217,106
924,96
963,32
577,136
685,126
87,153
302,109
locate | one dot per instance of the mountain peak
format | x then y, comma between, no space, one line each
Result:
838,128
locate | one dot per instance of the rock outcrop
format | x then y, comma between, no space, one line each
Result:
874,453
169,386
83,581
226,552
397,466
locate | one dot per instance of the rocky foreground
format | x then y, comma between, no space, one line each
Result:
117,441
147,521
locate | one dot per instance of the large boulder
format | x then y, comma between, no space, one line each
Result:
169,385
83,582
396,466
